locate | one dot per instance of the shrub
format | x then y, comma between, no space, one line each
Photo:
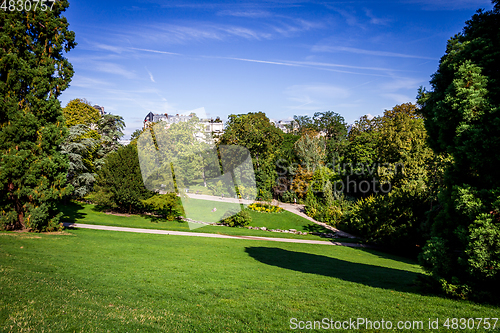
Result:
265,208
288,196
312,207
236,219
218,188
265,195
168,205
248,192
392,220
119,182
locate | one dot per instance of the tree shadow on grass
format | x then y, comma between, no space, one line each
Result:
369,275
72,212
156,219
313,227
100,208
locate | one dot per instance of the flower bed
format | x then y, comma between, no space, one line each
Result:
265,208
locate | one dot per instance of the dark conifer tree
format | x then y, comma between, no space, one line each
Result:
33,73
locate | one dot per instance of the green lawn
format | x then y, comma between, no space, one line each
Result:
83,213
106,281
201,210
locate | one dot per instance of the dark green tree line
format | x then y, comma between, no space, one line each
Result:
462,117
33,73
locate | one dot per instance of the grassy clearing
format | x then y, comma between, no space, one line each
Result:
201,210
83,213
99,281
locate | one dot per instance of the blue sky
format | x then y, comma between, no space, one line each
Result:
282,57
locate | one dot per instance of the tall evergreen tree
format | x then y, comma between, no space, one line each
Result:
119,183
33,73
78,147
462,117
109,129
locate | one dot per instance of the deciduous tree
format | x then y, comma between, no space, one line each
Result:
255,132
78,111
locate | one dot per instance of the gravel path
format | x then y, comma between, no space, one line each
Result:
202,234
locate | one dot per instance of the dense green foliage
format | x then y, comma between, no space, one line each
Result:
109,129
255,132
393,220
91,138
119,182
386,165
173,158
78,111
167,205
79,147
236,219
33,73
462,116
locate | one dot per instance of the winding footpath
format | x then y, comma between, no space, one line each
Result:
202,234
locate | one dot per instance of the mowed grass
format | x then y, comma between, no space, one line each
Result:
84,213
100,281
203,210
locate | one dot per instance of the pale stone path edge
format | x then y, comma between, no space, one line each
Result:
202,234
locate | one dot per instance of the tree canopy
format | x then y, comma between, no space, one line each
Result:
33,73
119,183
78,111
463,120
256,132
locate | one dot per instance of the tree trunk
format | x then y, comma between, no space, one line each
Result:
20,215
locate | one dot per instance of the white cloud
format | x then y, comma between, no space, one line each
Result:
318,65
245,13
328,48
283,63
376,20
107,47
150,76
349,17
189,31
87,82
451,4
181,34
112,68
323,64
245,33
154,51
